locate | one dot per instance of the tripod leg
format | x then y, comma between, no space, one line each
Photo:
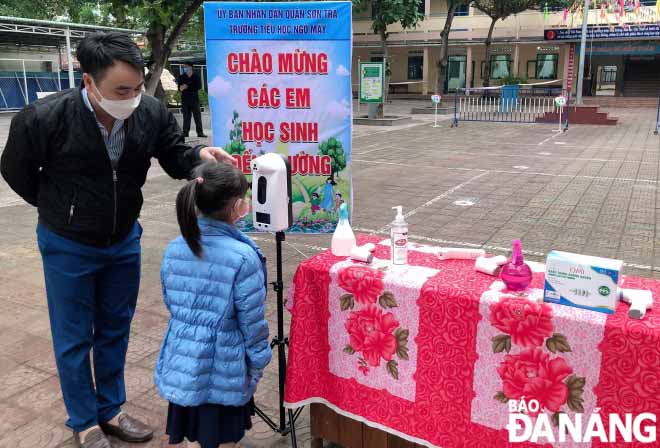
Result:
292,422
281,356
282,374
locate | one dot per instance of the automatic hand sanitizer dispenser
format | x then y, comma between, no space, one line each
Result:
271,193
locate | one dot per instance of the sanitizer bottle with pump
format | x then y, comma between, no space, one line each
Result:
516,275
343,239
399,238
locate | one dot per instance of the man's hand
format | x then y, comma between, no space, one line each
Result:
212,154
183,87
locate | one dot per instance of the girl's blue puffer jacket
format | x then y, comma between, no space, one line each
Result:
216,344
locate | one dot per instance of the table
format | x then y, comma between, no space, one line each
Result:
433,353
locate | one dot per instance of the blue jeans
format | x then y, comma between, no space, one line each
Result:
92,293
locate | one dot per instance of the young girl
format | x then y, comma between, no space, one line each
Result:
214,283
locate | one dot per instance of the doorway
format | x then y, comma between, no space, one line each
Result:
606,80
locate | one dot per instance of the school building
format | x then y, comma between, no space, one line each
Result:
622,52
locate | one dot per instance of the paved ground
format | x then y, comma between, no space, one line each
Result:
592,190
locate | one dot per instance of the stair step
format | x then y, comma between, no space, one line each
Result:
585,114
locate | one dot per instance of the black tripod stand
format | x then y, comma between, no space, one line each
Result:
281,342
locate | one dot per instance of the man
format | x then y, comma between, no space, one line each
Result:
81,157
189,84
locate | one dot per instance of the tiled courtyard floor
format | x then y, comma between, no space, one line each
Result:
592,190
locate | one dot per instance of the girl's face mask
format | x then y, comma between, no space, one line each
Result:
241,209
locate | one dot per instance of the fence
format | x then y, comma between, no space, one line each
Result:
19,86
510,104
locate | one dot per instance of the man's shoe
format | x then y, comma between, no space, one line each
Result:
202,136
128,430
94,439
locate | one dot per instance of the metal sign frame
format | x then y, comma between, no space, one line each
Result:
381,68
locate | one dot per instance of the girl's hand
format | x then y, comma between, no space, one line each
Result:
213,154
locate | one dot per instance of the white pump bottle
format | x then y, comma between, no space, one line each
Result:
399,235
343,239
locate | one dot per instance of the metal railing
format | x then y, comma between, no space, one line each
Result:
496,104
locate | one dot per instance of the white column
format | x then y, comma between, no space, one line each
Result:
68,58
427,8
516,50
27,97
426,65
583,47
516,60
468,68
59,81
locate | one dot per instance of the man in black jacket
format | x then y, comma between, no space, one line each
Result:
190,84
81,157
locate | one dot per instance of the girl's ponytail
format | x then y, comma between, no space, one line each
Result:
186,214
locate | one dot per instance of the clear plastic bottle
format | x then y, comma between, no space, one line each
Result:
343,239
516,275
399,235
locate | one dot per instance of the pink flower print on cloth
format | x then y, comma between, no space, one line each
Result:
530,350
374,320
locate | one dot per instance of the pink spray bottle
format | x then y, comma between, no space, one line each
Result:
516,275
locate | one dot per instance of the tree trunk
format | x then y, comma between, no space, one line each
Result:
161,48
159,57
489,40
386,78
443,61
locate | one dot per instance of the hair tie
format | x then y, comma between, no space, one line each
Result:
200,180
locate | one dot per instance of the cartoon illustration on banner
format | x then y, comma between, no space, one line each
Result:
280,81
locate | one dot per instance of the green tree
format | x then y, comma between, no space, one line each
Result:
333,148
502,9
235,145
41,9
443,60
165,22
389,12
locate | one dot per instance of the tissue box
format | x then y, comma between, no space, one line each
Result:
582,281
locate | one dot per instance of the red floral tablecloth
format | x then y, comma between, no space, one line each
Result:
434,352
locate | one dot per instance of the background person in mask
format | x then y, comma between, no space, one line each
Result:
81,157
189,84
